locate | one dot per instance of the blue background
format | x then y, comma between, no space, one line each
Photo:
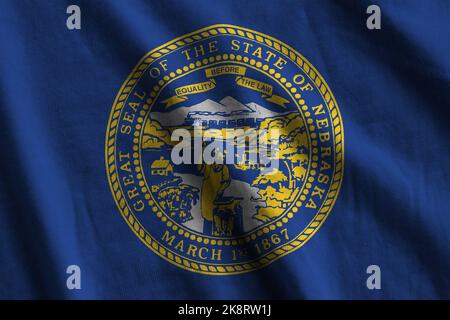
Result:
57,89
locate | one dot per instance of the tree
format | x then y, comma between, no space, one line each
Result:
275,178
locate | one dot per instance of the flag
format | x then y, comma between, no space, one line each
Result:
224,150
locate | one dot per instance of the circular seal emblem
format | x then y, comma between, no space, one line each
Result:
224,150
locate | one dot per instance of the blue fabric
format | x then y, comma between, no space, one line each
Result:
57,89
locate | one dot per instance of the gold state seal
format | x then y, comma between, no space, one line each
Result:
224,150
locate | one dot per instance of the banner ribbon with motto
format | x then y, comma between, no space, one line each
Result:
264,88
181,93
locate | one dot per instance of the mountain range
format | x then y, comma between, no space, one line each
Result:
227,107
